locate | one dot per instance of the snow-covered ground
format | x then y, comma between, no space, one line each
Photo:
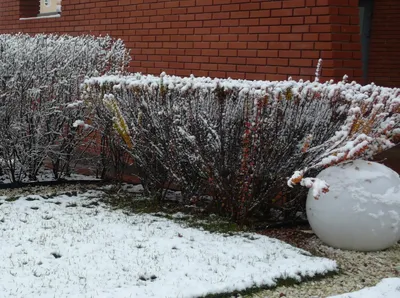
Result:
387,288
73,246
46,175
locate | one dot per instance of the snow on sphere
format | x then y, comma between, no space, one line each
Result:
361,211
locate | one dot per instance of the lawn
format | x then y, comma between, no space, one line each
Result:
73,245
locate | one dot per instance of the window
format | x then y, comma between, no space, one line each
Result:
366,10
50,7
29,9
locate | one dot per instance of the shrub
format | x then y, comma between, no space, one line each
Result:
238,140
40,79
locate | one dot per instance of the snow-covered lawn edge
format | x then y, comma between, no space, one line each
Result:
387,288
46,175
56,247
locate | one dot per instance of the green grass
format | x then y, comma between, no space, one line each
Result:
11,199
287,282
138,204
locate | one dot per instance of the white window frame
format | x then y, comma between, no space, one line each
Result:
49,7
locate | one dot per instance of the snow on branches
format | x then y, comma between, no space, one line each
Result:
240,140
40,79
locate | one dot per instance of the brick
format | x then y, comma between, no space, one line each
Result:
261,13
311,37
217,74
302,45
201,45
203,16
350,29
289,54
301,62
229,37
279,46
323,2
268,37
256,61
220,15
321,11
291,37
294,3
278,61
308,71
226,67
228,53
323,45
211,37
276,77
237,45
220,30
240,14
280,29
310,54
235,75
207,66
257,31
238,30
282,13
292,21
310,20
230,7
270,21
204,2
300,28
248,37
246,68
213,8
257,45
249,22
304,11
219,45
187,59
201,59
267,53
288,70
247,53
271,5
212,23
209,52
236,60
321,28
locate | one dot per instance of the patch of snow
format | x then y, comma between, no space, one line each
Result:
132,188
46,175
387,288
56,247
75,176
179,215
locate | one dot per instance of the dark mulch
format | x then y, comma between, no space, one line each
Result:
298,236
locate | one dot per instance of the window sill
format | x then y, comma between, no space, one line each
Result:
42,17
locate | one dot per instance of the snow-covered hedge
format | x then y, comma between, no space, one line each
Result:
242,141
40,78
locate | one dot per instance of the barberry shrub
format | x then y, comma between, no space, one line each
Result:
245,143
40,78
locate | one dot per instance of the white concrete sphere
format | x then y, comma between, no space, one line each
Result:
361,211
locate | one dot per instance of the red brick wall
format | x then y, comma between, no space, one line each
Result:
384,59
250,39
